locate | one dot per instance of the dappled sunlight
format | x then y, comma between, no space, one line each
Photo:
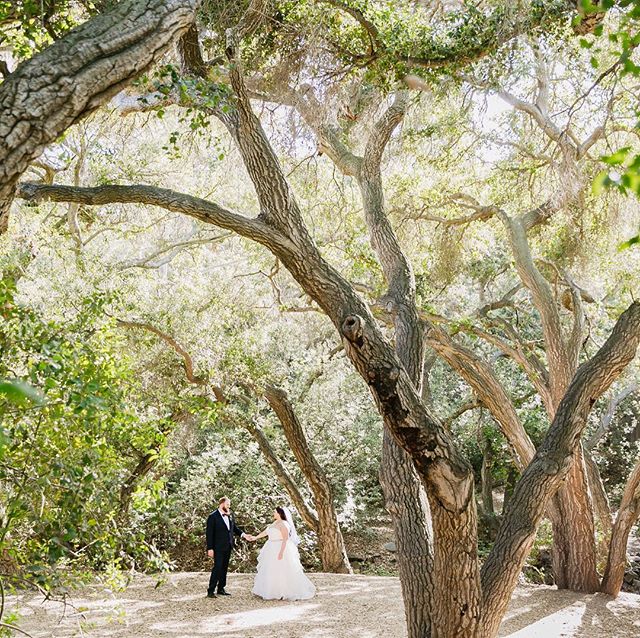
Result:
545,612
374,586
346,606
176,607
624,601
555,625
226,623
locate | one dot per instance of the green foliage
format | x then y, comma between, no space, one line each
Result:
624,174
618,449
27,26
105,399
20,393
69,437
387,37
199,97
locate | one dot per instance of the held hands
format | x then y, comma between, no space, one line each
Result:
210,553
249,537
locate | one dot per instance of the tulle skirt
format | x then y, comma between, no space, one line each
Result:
281,579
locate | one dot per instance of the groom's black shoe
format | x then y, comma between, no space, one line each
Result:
211,595
222,592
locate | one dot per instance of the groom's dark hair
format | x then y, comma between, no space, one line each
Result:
223,499
280,511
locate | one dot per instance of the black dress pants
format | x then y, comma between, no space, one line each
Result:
219,571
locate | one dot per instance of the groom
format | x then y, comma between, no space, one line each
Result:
221,527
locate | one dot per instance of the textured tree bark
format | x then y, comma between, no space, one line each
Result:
571,511
404,494
599,497
48,93
406,501
332,549
552,462
574,545
444,472
627,516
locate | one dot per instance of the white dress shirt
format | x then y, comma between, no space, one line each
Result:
227,521
225,518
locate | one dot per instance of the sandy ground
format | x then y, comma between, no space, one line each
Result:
345,607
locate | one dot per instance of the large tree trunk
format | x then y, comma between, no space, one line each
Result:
574,548
75,75
553,461
406,501
627,516
571,512
404,494
332,549
447,477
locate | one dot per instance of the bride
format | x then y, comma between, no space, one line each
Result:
280,574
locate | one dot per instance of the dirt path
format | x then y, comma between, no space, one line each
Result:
345,607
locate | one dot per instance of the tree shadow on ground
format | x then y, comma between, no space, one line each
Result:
345,607
546,612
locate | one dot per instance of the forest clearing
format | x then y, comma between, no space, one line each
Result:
346,606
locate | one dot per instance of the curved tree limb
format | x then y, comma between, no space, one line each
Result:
286,480
259,436
51,91
490,31
628,514
551,464
201,209
332,545
560,365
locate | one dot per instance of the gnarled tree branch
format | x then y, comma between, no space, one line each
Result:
551,464
51,91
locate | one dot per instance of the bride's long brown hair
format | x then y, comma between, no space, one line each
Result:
280,511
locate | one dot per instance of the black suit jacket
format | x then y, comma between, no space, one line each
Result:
219,537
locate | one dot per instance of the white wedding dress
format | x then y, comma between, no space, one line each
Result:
281,579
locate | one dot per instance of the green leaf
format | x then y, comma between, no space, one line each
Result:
20,393
629,243
617,158
601,182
